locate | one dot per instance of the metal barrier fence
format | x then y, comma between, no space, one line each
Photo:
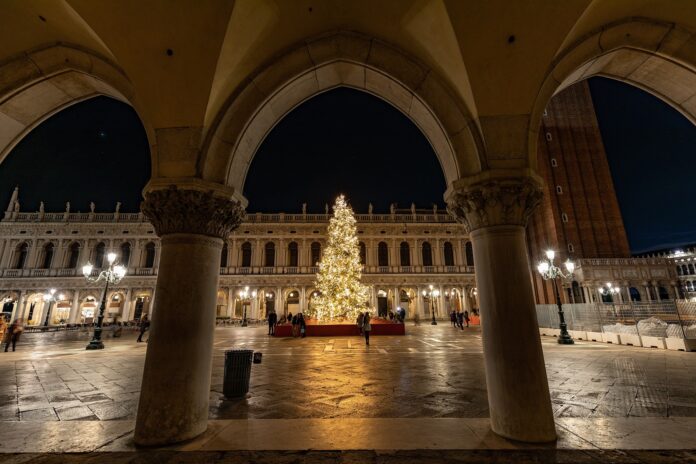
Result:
665,319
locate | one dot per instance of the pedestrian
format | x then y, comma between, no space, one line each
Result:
303,325
289,318
367,327
416,319
12,334
460,320
295,326
359,322
272,320
453,319
144,325
118,328
466,318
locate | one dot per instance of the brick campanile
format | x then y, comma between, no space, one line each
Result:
579,216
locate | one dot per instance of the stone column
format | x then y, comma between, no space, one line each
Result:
494,207
75,308
192,224
125,316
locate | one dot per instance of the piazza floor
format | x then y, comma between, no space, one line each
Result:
423,391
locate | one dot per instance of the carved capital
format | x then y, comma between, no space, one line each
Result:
174,210
494,202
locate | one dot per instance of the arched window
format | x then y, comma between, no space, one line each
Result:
469,251
663,293
679,270
99,254
223,255
21,255
382,254
427,254
47,256
269,255
125,254
684,269
405,254
691,269
246,254
150,255
316,252
293,256
74,255
363,254
449,254
635,294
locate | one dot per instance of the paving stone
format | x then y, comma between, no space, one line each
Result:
75,413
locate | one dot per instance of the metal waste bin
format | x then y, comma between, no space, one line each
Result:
237,373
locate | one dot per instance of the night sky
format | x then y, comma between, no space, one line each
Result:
345,141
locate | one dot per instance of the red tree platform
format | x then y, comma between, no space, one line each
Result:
315,329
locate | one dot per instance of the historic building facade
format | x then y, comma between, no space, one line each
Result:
274,255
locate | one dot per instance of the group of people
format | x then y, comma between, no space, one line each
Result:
364,325
458,318
298,322
398,316
10,332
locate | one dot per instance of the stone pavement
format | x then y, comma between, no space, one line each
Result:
432,374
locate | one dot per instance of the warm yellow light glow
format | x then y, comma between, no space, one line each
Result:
338,279
550,254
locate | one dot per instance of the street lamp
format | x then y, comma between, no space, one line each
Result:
430,294
609,289
111,275
549,271
50,298
246,299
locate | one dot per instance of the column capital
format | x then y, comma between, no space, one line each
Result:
493,198
191,211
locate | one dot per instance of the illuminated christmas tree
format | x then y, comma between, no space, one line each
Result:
338,278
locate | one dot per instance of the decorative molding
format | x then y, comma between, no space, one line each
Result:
505,201
174,210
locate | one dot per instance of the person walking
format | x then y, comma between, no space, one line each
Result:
359,322
366,327
302,325
295,326
466,318
460,320
453,319
12,334
144,325
272,320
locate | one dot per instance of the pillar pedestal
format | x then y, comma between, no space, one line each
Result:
494,208
176,378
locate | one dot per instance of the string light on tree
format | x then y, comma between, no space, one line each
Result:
338,280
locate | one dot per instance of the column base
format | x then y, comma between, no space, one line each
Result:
565,339
95,345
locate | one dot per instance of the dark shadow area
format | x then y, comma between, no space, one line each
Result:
96,150
650,148
344,141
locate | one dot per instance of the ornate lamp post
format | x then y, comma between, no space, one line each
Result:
246,299
111,275
50,298
551,272
608,289
430,294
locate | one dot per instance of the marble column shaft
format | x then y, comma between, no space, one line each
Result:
494,209
176,378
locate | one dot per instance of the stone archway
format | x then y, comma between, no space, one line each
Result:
349,60
655,56
40,83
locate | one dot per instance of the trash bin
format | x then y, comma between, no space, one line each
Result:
237,373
